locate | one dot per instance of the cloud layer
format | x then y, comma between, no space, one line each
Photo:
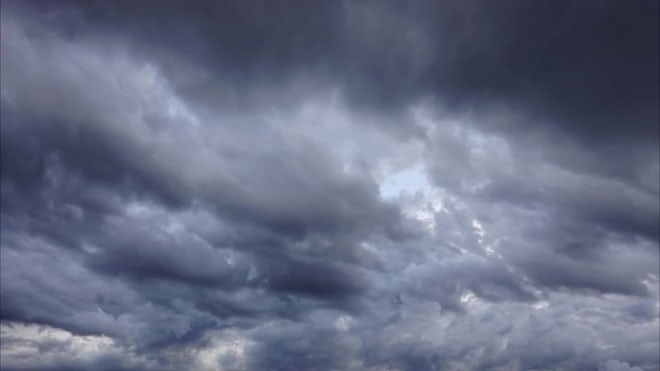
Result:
332,186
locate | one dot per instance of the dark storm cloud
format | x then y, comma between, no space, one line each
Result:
254,183
589,67
73,183
205,185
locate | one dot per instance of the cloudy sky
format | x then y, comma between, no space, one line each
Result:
329,185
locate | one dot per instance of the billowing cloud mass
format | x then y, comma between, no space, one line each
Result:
329,185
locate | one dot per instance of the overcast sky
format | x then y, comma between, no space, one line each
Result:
329,185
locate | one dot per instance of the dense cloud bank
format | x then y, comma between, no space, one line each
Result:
351,185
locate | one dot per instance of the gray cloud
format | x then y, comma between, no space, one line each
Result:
329,186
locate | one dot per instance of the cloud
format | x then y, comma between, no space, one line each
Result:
348,186
613,365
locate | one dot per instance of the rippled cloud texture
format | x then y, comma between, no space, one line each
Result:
329,185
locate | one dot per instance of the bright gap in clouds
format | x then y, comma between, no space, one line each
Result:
410,181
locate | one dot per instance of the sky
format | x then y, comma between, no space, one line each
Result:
329,185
